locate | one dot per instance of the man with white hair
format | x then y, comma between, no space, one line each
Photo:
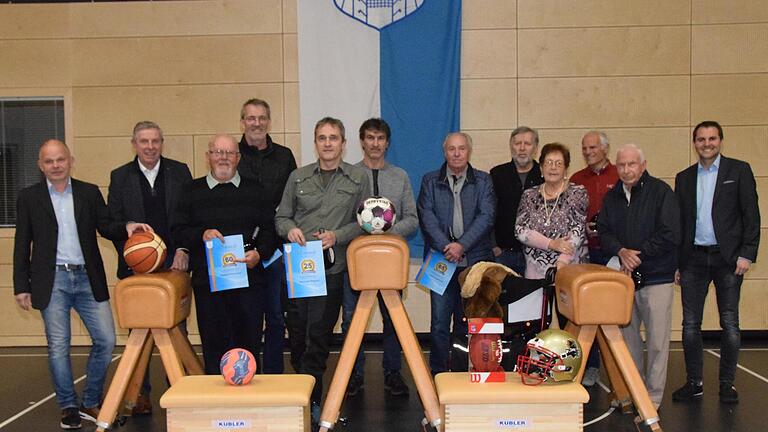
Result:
640,223
598,177
456,209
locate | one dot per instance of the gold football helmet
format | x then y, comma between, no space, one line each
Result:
552,356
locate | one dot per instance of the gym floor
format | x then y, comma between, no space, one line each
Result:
27,402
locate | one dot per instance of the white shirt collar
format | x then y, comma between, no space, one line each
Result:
150,174
212,182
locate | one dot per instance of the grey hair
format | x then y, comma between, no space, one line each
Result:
525,129
466,137
605,143
631,146
144,125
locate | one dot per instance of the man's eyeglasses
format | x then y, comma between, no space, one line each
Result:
223,153
254,119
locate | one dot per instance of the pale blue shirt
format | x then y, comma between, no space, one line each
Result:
68,250
706,180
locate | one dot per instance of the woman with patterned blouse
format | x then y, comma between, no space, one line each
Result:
551,220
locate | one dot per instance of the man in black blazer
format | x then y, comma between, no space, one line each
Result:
57,267
147,190
720,235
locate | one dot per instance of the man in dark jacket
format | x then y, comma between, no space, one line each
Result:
270,163
509,181
721,233
640,223
456,209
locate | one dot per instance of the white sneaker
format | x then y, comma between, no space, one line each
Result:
591,375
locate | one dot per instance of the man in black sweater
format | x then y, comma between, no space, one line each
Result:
220,204
270,163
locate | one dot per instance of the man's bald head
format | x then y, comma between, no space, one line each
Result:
55,161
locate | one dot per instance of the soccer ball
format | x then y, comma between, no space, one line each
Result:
376,215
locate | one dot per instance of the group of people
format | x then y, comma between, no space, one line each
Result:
526,214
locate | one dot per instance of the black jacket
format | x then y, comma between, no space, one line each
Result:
34,252
271,166
125,200
506,184
650,223
735,212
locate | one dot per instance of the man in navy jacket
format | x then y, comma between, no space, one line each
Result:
456,209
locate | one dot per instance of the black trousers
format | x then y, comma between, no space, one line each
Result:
229,319
310,326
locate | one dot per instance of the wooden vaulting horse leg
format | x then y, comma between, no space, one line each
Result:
137,378
189,359
134,347
413,355
352,341
620,396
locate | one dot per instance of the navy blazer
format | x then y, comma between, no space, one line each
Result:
34,251
125,199
735,211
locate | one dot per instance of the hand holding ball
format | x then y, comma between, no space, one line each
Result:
376,215
237,366
144,252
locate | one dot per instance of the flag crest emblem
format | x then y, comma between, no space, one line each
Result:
378,13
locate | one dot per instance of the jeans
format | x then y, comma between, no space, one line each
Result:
514,259
274,332
391,359
73,290
310,328
707,266
444,307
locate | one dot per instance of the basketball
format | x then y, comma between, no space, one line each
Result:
237,366
144,252
485,352
376,215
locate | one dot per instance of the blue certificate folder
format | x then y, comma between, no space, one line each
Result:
305,269
223,272
436,272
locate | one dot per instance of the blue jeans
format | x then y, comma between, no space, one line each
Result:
444,307
274,332
391,359
73,290
705,266
514,259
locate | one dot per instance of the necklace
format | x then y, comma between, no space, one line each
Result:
548,213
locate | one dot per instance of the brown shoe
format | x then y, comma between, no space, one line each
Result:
142,407
90,414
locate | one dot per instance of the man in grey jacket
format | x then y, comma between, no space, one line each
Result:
392,183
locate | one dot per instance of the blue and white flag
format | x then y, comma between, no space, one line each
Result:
394,59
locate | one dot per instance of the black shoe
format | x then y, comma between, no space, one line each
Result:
687,392
90,414
728,393
355,385
70,418
393,383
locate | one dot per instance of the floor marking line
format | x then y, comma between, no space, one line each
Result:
754,374
601,417
43,400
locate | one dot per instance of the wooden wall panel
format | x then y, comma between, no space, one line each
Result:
40,21
591,13
488,54
35,63
611,102
289,16
177,60
489,14
175,18
730,99
749,143
197,109
6,251
290,108
604,51
290,58
759,269
488,103
737,48
491,148
731,11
